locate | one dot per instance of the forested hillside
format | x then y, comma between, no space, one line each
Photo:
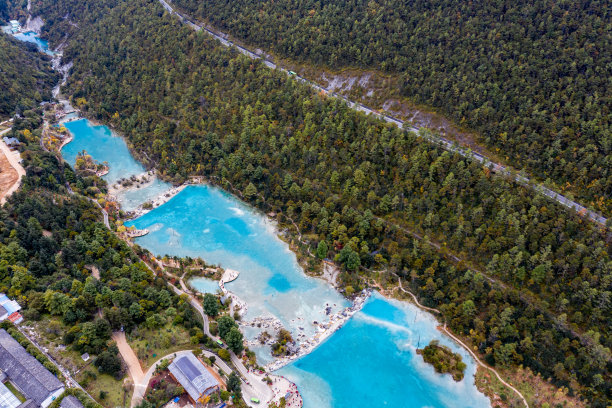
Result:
26,76
13,10
532,77
50,240
363,187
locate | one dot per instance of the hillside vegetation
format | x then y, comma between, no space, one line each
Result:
26,76
532,77
365,188
50,239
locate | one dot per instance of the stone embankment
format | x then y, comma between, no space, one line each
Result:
150,205
136,233
238,304
325,330
135,182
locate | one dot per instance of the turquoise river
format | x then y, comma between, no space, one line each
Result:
370,362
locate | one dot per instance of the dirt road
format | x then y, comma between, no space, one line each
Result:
130,358
11,171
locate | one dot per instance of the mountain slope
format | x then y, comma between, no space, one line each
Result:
26,76
532,77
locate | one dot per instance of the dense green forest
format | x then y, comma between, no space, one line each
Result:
26,76
4,11
443,359
532,77
13,10
363,187
49,240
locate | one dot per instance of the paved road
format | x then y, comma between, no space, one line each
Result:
104,213
443,142
252,385
140,387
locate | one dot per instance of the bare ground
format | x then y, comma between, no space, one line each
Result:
8,176
381,91
130,358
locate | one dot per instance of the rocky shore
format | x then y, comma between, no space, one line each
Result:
326,329
152,204
138,181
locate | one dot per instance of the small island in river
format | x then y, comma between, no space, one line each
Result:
443,359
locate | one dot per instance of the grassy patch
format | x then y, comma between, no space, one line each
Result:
151,345
15,392
95,383
48,332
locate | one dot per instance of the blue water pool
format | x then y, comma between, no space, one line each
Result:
33,38
132,198
204,285
203,221
371,362
103,146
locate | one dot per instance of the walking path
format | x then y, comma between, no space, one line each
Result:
480,363
253,386
237,304
462,344
443,142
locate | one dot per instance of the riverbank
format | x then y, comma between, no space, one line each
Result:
143,181
180,238
282,387
239,305
201,233
162,199
336,321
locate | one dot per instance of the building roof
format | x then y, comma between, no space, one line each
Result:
15,317
31,377
9,305
192,375
2,311
7,398
10,140
29,404
70,401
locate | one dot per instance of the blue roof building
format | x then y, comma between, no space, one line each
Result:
193,376
10,141
7,306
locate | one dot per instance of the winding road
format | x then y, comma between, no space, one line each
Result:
443,142
252,386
